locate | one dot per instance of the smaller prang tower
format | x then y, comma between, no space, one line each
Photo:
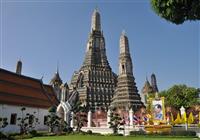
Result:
154,83
149,89
146,90
126,94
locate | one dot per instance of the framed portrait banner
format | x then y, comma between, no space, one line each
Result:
158,109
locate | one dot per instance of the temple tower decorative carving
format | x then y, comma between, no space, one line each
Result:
154,83
95,80
126,94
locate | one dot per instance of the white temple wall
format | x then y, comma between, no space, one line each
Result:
7,110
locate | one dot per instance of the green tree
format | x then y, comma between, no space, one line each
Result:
27,122
80,115
177,11
3,122
116,122
33,121
52,120
180,95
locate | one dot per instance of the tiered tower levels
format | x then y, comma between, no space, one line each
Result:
95,80
126,94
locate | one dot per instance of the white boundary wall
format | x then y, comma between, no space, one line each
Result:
7,110
106,130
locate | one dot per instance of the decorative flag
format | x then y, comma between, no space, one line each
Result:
190,118
178,119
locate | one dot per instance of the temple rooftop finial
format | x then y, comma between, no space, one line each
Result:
147,78
19,67
41,79
57,68
96,20
123,32
96,9
124,45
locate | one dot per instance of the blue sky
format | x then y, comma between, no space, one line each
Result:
42,33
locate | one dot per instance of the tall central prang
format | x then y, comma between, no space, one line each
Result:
95,80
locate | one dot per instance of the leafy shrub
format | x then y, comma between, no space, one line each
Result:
61,134
78,133
183,133
173,133
89,132
13,134
68,130
113,134
136,133
117,135
33,133
2,135
24,136
97,134
51,134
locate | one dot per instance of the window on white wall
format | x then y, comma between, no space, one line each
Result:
13,118
45,120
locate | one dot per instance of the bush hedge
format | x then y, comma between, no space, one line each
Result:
2,136
68,130
135,133
173,133
183,133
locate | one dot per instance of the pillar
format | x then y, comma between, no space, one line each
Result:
72,120
89,118
199,117
108,118
131,117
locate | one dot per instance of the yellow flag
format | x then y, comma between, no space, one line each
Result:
148,116
178,119
199,117
190,118
172,119
184,118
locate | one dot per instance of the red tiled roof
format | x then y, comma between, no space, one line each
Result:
25,91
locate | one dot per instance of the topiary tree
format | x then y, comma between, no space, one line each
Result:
53,121
116,122
3,122
33,121
80,115
27,122
177,11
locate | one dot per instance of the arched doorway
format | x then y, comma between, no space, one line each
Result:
61,113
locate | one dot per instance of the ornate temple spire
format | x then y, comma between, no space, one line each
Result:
94,81
125,65
154,83
57,69
19,67
147,88
56,80
56,83
126,94
96,21
124,45
95,50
